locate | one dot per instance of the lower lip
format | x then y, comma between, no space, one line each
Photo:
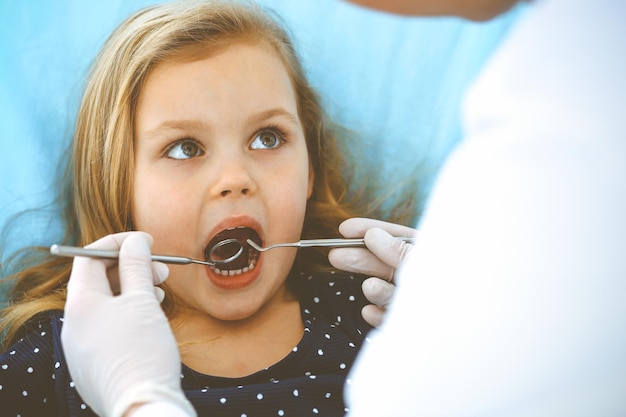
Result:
234,282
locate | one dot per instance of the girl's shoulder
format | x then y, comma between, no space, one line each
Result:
335,297
337,287
33,374
40,338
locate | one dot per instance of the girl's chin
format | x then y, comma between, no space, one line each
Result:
223,311
235,312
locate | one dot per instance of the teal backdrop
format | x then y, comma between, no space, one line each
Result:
397,82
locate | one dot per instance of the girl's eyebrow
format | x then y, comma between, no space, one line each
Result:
272,113
193,124
170,125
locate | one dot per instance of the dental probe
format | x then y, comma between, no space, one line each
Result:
332,243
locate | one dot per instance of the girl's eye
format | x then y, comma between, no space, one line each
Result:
184,149
267,139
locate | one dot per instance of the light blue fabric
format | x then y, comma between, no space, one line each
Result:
396,81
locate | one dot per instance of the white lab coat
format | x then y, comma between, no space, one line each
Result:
513,302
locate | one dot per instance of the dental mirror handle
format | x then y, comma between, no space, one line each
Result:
71,251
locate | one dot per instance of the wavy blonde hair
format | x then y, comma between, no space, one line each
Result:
102,163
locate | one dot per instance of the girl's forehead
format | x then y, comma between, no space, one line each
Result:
240,60
202,50
241,78
233,47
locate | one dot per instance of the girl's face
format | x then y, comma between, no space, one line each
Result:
221,153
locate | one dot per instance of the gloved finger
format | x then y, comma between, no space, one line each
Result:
160,272
93,274
373,314
386,248
159,293
88,275
384,253
358,226
114,278
378,291
361,261
135,265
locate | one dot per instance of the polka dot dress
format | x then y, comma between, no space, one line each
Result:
34,380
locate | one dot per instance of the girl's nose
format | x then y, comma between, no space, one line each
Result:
234,179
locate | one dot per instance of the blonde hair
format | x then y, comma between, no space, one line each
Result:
102,162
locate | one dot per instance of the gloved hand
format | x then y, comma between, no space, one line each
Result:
120,349
380,259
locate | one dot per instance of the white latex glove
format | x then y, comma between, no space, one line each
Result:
120,349
382,255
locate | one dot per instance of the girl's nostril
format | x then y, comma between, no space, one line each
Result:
244,191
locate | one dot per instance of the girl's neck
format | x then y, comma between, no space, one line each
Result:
238,348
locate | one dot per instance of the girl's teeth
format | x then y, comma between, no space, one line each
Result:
231,273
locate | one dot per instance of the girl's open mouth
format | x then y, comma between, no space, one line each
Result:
244,262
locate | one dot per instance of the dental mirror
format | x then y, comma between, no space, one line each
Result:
225,251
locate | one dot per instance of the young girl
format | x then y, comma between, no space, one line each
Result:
198,125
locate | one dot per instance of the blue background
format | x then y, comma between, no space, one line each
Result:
395,81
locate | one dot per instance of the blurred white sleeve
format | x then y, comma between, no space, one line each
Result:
513,301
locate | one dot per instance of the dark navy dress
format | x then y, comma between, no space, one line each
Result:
35,381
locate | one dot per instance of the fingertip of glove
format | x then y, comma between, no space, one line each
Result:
138,243
161,272
160,294
376,233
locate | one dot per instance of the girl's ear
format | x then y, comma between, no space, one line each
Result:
311,180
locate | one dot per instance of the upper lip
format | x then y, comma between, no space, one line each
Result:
245,221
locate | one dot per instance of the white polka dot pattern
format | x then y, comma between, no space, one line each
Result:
34,380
